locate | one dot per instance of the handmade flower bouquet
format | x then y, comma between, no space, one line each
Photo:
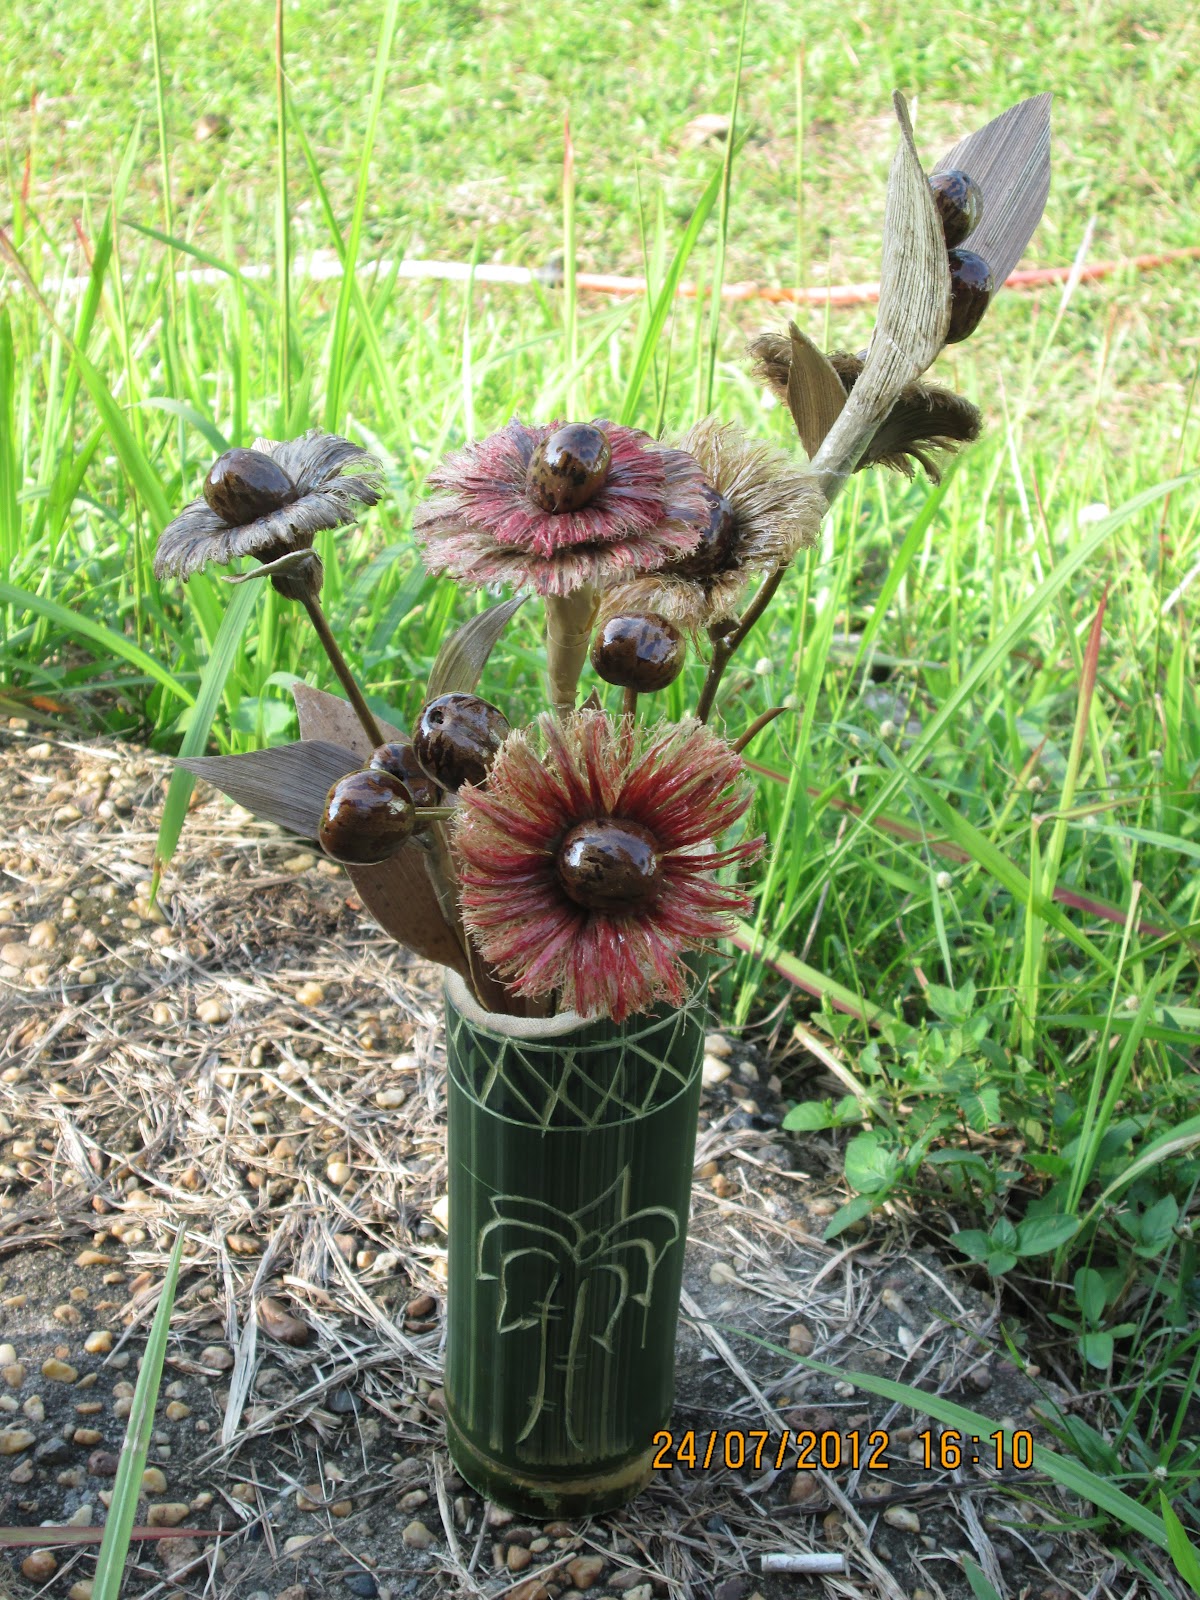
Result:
571,875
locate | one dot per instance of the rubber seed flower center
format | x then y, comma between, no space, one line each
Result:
243,485
611,866
718,535
569,470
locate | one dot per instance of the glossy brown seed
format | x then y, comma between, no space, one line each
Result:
641,651
611,866
714,553
570,468
970,292
401,761
368,817
245,484
959,202
457,737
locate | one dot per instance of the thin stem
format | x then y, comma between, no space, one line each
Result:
724,645
755,728
283,223
338,662
629,702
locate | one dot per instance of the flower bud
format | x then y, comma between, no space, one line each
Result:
457,737
718,535
570,468
611,866
401,761
970,292
641,651
959,202
243,485
368,817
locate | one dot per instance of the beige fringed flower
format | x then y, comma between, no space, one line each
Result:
762,511
925,421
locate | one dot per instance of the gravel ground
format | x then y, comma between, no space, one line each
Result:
253,1061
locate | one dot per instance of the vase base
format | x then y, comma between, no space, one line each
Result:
548,1495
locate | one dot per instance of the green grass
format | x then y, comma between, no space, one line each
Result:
983,814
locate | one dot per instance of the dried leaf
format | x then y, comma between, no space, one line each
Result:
398,893
1009,159
815,394
287,785
914,312
462,658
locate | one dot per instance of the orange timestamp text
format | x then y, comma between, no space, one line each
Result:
807,1449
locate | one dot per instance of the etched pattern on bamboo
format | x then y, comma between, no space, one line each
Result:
548,1266
554,1085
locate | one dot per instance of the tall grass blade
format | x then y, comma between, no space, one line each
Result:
74,624
212,686
714,309
127,1486
336,378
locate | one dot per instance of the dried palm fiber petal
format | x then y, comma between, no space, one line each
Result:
763,510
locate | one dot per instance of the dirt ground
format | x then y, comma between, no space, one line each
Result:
255,1062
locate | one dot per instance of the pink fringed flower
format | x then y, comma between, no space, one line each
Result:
587,862
558,507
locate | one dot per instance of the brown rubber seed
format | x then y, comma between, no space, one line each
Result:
368,817
970,293
959,202
401,761
641,651
457,737
715,552
570,468
611,865
245,484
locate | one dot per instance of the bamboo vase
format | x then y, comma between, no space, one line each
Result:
570,1150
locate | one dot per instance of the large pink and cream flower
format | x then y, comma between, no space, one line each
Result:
588,866
560,506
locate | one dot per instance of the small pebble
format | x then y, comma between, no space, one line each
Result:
518,1558
39,1565
35,1408
177,1410
14,1374
22,1472
102,1464
800,1339
98,1343
168,1514
81,1590
58,1371
86,1436
721,1272
361,1584
904,1519
585,1570
275,1318
298,1541
213,1011
389,1099
310,994
713,1071
14,1440
154,1481
217,1357
339,1173
417,1536
8,1355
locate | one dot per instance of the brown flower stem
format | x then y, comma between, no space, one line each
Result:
338,662
629,702
724,645
755,728
569,620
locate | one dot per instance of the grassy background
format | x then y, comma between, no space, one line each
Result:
941,653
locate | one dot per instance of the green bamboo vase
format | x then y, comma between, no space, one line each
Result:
570,1147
